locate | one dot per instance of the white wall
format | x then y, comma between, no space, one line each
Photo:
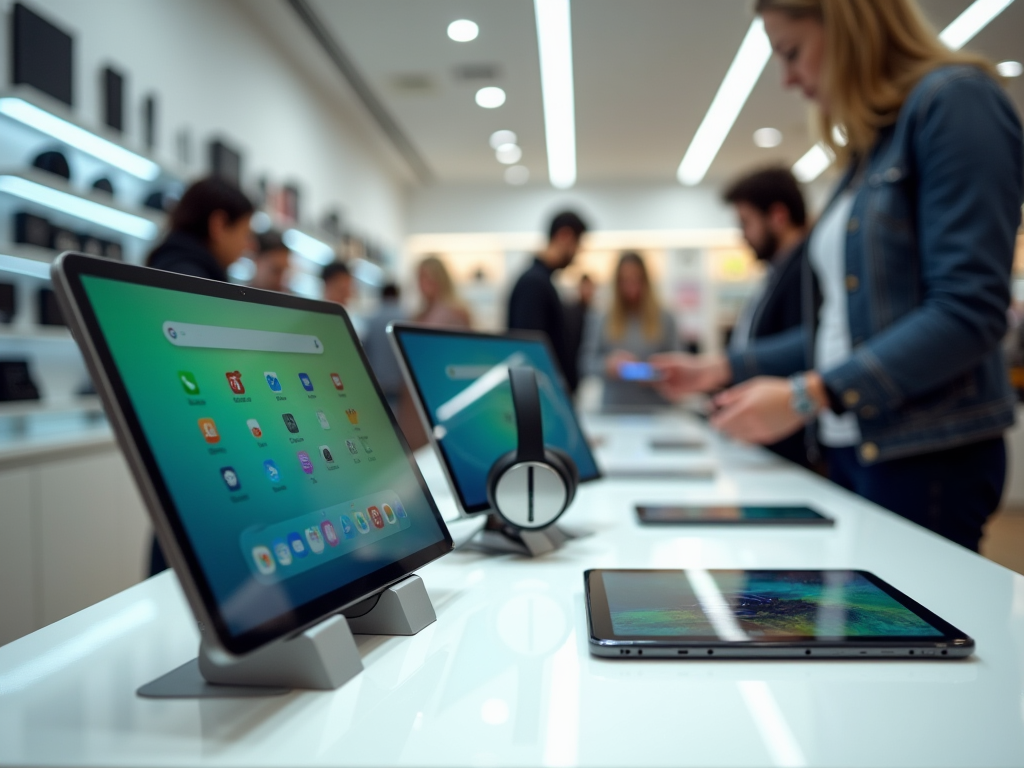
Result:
216,72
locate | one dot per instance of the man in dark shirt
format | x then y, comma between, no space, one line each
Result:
534,304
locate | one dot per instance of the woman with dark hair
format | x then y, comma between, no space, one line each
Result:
634,328
209,231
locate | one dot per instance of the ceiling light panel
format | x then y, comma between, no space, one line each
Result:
554,40
508,154
766,138
1010,68
463,30
503,137
490,97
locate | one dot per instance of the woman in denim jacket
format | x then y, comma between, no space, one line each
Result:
899,358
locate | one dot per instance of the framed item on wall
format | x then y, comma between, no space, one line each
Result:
42,54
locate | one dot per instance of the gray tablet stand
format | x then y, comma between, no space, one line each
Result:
507,539
323,657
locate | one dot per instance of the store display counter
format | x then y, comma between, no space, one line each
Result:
504,676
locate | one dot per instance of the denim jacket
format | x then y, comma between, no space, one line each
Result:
929,250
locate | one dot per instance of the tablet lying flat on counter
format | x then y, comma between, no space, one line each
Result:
703,614
654,514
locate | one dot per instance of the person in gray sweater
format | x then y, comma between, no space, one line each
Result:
634,328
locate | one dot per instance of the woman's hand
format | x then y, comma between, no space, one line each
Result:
614,360
760,410
683,374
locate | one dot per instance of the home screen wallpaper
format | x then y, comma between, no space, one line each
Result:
279,455
465,387
756,605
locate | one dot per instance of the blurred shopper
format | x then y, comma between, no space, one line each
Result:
771,212
441,303
534,304
338,283
902,367
378,348
635,328
577,316
272,263
208,232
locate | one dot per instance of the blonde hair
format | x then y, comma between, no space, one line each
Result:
438,273
649,309
876,51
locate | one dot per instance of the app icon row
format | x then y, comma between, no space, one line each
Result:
273,472
191,385
315,539
210,432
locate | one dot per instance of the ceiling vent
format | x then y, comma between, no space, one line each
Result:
477,73
413,83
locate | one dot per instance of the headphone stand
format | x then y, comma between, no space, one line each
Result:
499,537
324,657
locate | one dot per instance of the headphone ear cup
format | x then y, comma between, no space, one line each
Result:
497,470
563,462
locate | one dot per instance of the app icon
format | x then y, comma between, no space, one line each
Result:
361,524
326,453
254,427
366,444
330,535
230,478
336,380
273,473
209,430
389,513
235,382
306,462
272,381
283,551
289,422
188,382
378,521
307,383
264,562
316,541
348,529
400,511
322,417
351,446
353,415
298,545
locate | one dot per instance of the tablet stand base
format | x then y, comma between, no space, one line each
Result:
324,657
499,537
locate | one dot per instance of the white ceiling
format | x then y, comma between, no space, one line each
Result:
645,72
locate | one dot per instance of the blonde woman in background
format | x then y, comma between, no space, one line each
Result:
441,303
634,328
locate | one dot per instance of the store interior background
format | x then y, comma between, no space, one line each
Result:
367,108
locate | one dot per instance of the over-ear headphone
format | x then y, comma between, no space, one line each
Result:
532,485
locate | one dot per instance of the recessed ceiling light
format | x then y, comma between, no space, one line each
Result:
766,138
463,30
508,154
490,97
517,175
503,137
1010,68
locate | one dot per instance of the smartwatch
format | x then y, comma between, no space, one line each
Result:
800,399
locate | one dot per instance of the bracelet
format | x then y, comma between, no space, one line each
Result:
800,401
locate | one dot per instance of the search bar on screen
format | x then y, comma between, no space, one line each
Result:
220,337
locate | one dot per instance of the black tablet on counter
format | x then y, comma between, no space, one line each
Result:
723,614
717,514
279,484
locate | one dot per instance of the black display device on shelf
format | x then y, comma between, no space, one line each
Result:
49,308
30,229
16,381
149,121
729,614
55,162
113,99
8,303
225,162
746,514
43,54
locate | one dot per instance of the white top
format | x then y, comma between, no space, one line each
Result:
504,677
832,345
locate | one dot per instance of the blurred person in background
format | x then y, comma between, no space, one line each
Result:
378,348
208,232
901,365
441,303
338,283
577,315
634,328
773,217
534,304
272,262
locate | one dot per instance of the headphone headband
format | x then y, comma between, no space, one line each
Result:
526,405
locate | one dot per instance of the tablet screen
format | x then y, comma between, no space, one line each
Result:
743,606
281,460
725,515
462,382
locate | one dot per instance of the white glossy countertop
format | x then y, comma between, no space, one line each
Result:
504,676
